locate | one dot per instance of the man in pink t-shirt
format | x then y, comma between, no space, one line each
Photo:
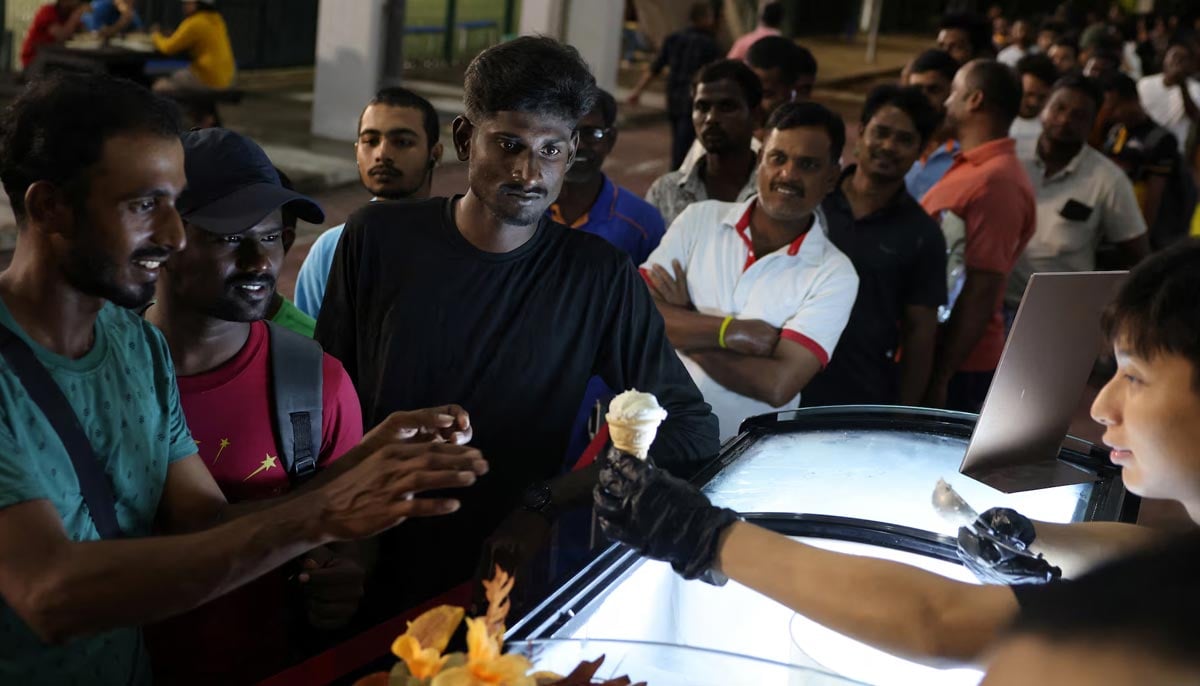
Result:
985,206
211,301
769,21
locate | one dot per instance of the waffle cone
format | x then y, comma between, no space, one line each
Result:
633,436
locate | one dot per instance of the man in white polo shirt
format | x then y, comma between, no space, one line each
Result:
1083,198
753,293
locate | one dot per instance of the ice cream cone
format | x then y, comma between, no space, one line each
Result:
633,419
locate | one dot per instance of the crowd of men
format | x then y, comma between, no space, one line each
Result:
219,480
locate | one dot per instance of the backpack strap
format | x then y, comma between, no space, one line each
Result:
46,394
296,379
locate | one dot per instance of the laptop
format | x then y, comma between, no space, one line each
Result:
1054,343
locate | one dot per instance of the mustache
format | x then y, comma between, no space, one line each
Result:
250,280
783,185
384,169
518,188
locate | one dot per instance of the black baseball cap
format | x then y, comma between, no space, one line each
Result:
232,185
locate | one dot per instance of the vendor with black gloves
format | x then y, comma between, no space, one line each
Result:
1148,409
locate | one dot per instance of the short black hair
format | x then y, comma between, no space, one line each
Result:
1082,84
735,71
978,30
1000,86
56,129
1067,40
1121,85
1053,25
792,115
772,15
792,59
532,74
909,100
1157,310
1038,66
700,10
395,96
606,105
935,60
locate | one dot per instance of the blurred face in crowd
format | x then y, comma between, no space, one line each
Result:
888,145
1045,39
957,43
1022,32
724,122
517,161
1148,411
1068,117
1099,65
393,153
112,242
796,172
1000,27
1120,111
189,7
963,100
1034,93
1178,63
934,85
228,277
1065,58
777,91
595,143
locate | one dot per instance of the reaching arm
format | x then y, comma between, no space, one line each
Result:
122,22
774,380
1078,548
918,338
181,41
903,610
65,30
972,311
1189,105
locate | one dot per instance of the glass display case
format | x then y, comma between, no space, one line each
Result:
857,480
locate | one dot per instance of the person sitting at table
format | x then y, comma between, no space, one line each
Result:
112,17
53,24
203,36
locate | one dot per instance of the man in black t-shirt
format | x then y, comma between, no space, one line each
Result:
484,302
885,354
1149,155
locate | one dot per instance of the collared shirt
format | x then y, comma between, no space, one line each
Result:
1164,104
900,256
684,52
741,46
930,169
621,218
985,206
697,153
672,192
805,288
1088,201
1026,133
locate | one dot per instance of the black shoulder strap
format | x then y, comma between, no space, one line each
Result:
44,391
296,378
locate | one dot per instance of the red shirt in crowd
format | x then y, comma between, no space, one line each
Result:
39,30
988,189
243,636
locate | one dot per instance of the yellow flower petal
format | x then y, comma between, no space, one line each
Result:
482,647
421,662
435,627
456,676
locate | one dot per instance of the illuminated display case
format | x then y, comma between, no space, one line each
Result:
857,480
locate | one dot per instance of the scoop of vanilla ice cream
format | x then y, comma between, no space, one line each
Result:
633,405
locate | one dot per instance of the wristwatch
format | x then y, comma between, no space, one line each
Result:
538,498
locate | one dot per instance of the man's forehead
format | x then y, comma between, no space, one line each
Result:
799,141
893,117
382,117
129,158
721,89
532,124
921,78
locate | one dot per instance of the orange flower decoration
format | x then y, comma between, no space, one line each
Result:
422,644
497,590
486,666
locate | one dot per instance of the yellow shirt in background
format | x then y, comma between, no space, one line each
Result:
205,39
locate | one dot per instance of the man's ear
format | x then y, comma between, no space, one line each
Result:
975,100
46,206
461,131
435,155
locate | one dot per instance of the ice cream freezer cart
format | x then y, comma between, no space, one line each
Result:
855,479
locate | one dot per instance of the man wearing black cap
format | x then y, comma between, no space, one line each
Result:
213,296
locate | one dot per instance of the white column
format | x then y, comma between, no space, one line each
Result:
349,65
592,26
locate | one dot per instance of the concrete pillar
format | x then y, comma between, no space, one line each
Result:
592,26
349,64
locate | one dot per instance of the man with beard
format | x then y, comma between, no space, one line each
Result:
1038,75
726,108
212,299
397,149
482,300
886,352
127,527
754,294
985,207
932,71
1083,198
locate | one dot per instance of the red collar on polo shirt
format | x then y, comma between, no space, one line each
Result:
743,230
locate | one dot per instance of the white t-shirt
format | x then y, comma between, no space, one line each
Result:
1011,55
1026,133
1165,105
806,289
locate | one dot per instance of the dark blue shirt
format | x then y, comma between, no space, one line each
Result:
684,52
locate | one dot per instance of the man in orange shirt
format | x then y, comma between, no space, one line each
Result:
985,205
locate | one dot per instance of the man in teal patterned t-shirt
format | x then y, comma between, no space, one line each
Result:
92,166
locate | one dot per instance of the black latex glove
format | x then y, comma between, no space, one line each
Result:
996,548
660,516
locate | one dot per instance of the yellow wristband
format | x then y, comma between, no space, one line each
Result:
724,328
